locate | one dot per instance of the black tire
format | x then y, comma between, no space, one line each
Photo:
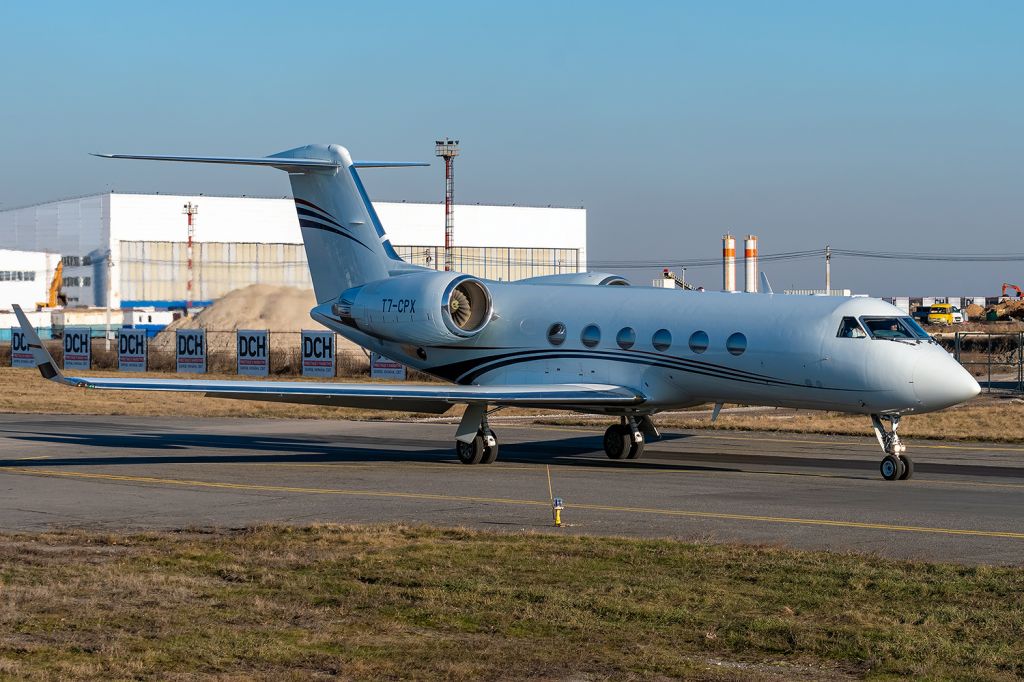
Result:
471,452
636,450
491,453
908,467
616,442
891,468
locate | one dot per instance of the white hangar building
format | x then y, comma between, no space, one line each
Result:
244,240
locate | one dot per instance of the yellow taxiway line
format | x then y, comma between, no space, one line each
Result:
186,483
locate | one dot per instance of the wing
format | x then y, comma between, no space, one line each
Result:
413,398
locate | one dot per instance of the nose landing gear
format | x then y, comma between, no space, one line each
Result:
895,465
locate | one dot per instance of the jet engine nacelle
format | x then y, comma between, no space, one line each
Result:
426,308
591,278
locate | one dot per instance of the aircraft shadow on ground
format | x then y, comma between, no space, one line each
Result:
577,450
203,449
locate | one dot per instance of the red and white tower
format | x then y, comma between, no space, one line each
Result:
191,210
750,261
728,263
448,149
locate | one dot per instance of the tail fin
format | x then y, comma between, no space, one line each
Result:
345,242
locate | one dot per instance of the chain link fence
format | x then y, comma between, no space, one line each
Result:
284,354
995,359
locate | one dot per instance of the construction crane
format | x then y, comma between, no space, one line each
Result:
668,274
1007,286
54,297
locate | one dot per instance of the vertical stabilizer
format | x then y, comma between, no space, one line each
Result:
345,243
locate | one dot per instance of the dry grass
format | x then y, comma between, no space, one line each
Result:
24,391
419,603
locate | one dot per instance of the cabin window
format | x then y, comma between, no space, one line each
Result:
626,338
699,342
591,335
556,334
662,339
849,328
736,343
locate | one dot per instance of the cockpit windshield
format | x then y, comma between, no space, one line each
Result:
916,328
894,328
850,329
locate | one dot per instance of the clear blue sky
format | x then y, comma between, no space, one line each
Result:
879,125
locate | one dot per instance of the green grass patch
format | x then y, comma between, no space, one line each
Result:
394,602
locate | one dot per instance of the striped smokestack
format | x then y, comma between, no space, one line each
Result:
728,263
750,263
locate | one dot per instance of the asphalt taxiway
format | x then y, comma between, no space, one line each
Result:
965,503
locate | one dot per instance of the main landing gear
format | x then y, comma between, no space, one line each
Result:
625,440
475,441
895,465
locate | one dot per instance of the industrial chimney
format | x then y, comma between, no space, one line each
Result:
750,262
728,263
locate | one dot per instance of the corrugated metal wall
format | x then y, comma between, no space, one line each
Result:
496,262
158,271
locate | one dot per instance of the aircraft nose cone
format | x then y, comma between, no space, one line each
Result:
942,382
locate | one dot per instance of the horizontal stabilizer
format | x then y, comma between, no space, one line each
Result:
388,164
288,164
285,163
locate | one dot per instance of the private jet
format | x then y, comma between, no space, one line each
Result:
585,342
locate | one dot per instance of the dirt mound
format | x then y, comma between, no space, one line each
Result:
257,306
1010,309
282,310
975,312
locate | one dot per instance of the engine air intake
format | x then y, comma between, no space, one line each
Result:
466,306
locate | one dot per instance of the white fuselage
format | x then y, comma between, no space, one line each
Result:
784,350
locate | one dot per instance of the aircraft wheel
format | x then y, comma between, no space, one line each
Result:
616,442
471,452
490,453
891,467
908,467
636,450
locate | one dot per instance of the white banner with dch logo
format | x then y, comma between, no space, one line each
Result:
317,354
132,346
385,368
77,348
191,350
21,354
253,358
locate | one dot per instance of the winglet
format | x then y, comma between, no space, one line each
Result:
766,287
44,363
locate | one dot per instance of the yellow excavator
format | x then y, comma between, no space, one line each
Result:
54,297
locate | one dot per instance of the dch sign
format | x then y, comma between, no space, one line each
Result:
252,352
21,354
77,348
191,350
317,354
132,347
385,368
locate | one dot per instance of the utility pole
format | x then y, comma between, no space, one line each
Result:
110,271
448,149
828,270
191,211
